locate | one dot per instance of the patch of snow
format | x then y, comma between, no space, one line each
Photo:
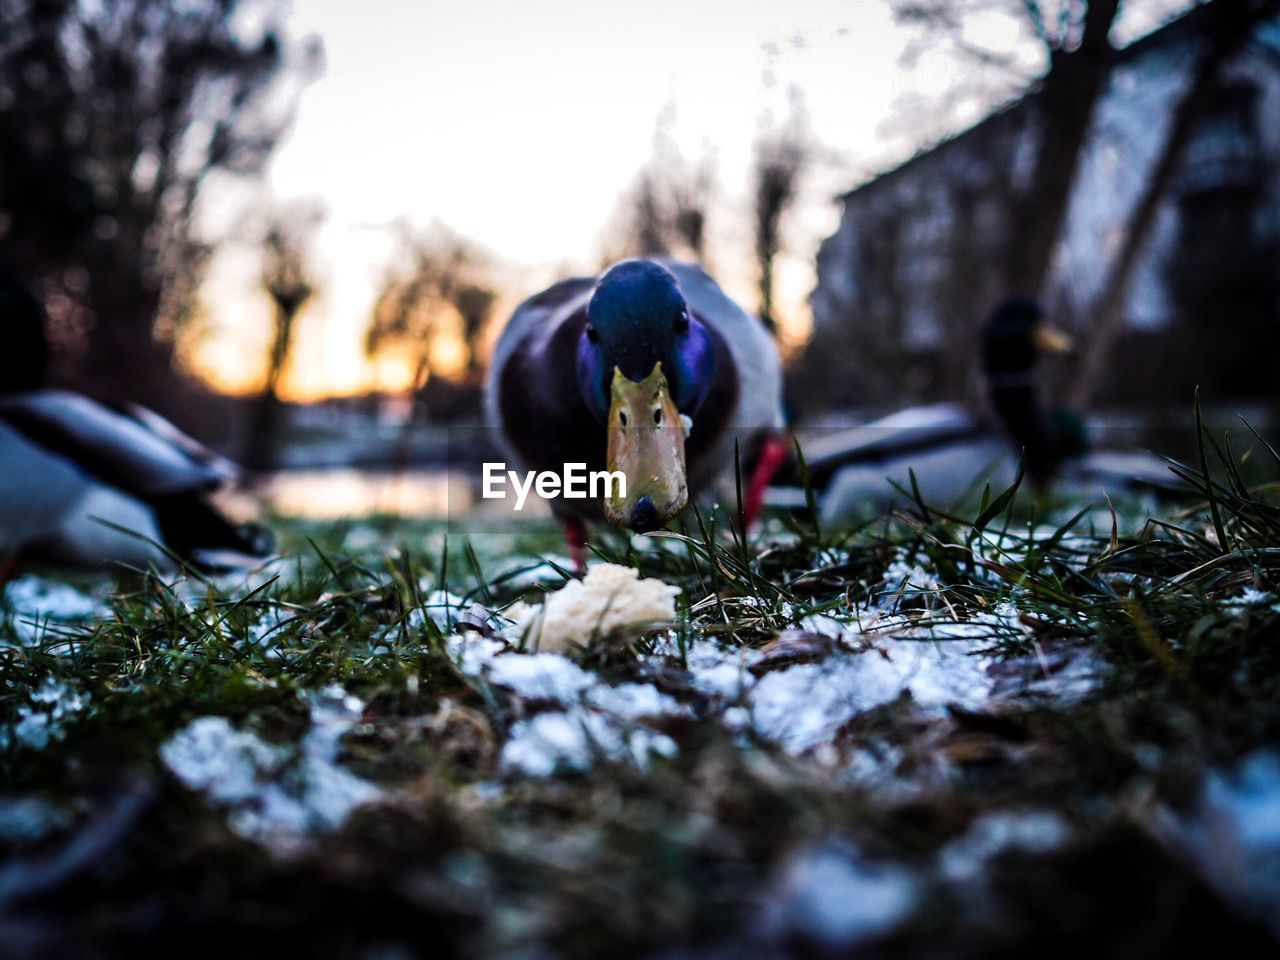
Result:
832,896
1253,597
486,791
37,604
1063,676
634,701
594,720
277,795
878,769
736,719
472,652
556,741
1235,836
981,626
38,596
719,671
26,820
802,706
805,705
44,719
908,577
1035,831
825,624
540,676
266,632
440,607
238,582
332,791
1006,611
991,548
226,764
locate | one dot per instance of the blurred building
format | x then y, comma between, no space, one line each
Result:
904,283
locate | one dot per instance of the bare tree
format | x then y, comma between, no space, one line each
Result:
474,303
287,277
665,211
1080,58
113,118
1075,37
649,228
782,155
1230,25
442,288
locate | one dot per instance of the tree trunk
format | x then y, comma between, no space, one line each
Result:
417,411
124,361
262,447
1072,87
766,293
1224,37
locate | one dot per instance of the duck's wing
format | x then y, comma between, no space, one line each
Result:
757,366
228,470
943,473
534,323
533,409
52,510
143,455
744,403
71,463
37,489
914,432
1124,471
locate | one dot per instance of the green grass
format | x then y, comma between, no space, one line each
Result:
463,858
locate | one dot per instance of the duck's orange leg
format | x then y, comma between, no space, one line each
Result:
773,454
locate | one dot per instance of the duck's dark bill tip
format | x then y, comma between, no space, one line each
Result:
645,516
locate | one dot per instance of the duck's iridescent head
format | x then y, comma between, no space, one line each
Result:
644,362
1016,335
25,357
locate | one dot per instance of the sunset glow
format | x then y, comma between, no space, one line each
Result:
519,125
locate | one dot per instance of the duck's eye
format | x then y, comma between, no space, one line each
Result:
622,417
592,336
682,322
657,415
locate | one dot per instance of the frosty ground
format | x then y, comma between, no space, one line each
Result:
1019,726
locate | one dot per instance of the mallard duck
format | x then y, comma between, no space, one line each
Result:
649,369
952,451
87,484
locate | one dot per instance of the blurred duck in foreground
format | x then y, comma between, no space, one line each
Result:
953,452
87,484
650,370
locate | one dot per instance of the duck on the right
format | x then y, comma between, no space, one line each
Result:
952,452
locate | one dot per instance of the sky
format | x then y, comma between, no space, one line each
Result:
520,124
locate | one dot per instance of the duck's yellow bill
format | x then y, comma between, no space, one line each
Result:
1052,339
646,443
